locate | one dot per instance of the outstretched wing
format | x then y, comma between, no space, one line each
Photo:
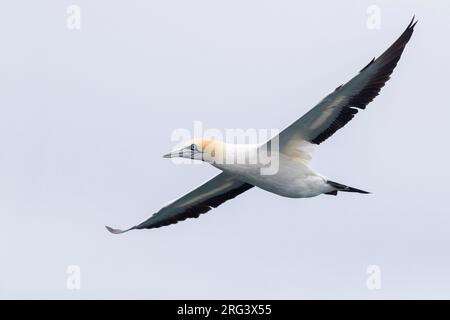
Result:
209,195
339,107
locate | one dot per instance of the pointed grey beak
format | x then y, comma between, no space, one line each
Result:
175,154
170,155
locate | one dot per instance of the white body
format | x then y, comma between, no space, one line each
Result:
293,179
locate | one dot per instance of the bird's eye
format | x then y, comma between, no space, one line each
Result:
193,147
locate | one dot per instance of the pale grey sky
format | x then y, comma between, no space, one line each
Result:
86,116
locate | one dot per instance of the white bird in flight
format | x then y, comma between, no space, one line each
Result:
293,179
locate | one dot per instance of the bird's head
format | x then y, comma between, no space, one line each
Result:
198,149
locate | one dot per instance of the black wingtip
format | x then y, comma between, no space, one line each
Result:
116,231
412,23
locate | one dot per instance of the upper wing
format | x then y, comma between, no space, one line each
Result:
339,107
209,195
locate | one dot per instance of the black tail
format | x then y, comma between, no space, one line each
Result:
344,188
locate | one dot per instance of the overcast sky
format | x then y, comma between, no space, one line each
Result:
86,115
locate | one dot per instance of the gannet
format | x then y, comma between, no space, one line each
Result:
294,178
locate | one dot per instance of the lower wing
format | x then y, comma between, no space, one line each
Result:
211,194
